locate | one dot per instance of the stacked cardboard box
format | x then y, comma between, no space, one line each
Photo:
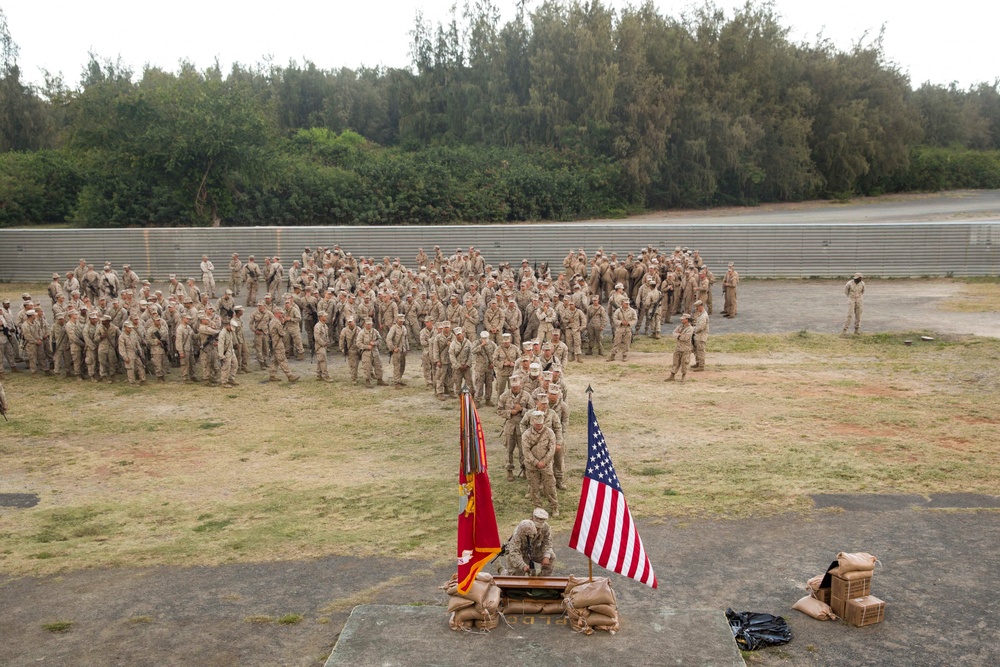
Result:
846,587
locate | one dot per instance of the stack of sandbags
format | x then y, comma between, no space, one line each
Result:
591,605
478,608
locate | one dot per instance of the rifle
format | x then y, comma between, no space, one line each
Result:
210,340
503,549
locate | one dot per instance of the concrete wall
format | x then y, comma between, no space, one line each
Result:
888,249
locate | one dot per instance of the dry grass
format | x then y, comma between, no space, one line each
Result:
975,297
193,475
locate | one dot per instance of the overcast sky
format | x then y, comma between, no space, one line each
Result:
936,42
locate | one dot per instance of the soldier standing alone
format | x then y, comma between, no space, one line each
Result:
855,292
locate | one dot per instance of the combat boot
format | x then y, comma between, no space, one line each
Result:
510,475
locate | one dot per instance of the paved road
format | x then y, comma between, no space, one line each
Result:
956,205
819,306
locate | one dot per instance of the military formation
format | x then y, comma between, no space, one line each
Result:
508,333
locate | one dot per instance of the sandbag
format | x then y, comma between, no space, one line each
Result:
606,609
459,625
482,579
813,584
477,592
455,603
467,614
601,620
852,576
591,593
576,581
552,608
860,561
491,601
525,607
812,607
488,624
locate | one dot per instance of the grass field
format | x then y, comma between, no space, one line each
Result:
175,474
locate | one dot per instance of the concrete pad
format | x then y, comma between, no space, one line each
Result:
411,636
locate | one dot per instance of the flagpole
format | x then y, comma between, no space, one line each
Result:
590,561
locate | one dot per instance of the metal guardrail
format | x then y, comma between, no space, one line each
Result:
887,249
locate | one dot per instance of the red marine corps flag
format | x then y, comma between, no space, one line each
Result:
604,530
478,538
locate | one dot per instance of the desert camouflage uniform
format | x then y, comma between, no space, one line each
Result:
623,323
529,545
511,407
540,447
398,343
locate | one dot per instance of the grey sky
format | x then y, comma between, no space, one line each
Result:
937,42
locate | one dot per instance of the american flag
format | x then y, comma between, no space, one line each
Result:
604,530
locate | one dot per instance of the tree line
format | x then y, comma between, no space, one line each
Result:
568,110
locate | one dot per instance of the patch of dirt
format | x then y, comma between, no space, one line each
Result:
956,444
861,431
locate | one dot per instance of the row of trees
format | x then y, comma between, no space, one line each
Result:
569,110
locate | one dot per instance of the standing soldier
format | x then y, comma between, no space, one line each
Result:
251,276
208,339
31,332
90,337
208,276
76,343
54,289
62,362
367,342
293,329
575,323
539,445
442,361
493,321
184,343
460,355
504,361
227,353
235,271
130,349
651,303
426,355
597,319
321,337
561,410
855,292
684,335
276,332
349,346
242,349
157,335
511,406
624,321
259,324
107,336
700,335
398,343
729,284
483,367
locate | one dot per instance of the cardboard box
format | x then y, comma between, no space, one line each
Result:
851,587
823,595
839,606
866,610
